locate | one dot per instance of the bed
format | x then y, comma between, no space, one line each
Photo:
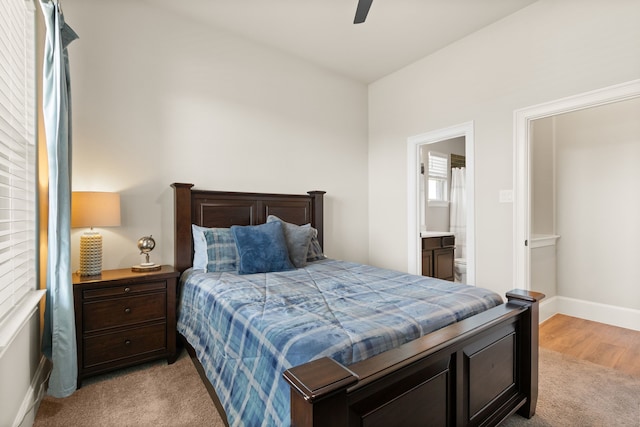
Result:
477,370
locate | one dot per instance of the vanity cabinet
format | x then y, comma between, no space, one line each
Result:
438,256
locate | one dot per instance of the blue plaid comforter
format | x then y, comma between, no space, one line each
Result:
248,329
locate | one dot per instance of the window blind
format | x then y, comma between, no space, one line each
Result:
17,155
437,177
437,165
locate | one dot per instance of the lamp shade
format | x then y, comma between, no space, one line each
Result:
95,209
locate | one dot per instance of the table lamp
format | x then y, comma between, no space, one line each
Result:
93,209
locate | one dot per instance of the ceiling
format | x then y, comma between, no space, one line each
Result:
395,34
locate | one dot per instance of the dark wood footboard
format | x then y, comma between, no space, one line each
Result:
476,372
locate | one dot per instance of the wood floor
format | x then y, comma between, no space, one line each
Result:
605,345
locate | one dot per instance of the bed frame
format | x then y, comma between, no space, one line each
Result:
476,372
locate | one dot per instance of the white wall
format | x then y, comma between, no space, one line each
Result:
158,99
598,150
546,51
21,375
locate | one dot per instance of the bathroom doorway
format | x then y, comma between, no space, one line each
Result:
429,216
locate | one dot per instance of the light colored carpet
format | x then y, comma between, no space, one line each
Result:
571,393
154,395
576,393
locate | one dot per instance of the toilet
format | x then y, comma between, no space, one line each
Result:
460,270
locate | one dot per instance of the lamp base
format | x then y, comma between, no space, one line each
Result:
90,254
143,268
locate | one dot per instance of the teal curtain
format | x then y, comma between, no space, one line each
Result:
59,335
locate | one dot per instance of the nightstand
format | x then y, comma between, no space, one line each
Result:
124,318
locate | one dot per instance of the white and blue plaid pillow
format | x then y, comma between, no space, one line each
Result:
222,254
214,249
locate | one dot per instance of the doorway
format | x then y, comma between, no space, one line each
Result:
523,122
588,304
414,206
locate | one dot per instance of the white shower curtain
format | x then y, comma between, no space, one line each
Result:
458,211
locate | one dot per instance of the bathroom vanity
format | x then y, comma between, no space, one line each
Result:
438,254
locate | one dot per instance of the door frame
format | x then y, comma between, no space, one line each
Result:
522,162
413,193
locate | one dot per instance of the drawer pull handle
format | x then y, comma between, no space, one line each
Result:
127,342
127,290
127,310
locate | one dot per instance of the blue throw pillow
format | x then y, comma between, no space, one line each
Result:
261,248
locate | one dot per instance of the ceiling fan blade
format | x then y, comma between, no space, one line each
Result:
362,11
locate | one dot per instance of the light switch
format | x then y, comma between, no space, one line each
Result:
506,196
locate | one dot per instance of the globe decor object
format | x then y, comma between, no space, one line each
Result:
146,245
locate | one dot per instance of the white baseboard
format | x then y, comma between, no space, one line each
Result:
612,315
27,413
548,307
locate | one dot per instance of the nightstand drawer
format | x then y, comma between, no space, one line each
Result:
124,311
133,342
123,290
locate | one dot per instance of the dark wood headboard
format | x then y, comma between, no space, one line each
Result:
224,209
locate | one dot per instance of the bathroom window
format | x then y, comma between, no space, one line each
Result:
437,180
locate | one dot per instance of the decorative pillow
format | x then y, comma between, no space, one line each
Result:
315,250
199,247
262,248
297,238
221,250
